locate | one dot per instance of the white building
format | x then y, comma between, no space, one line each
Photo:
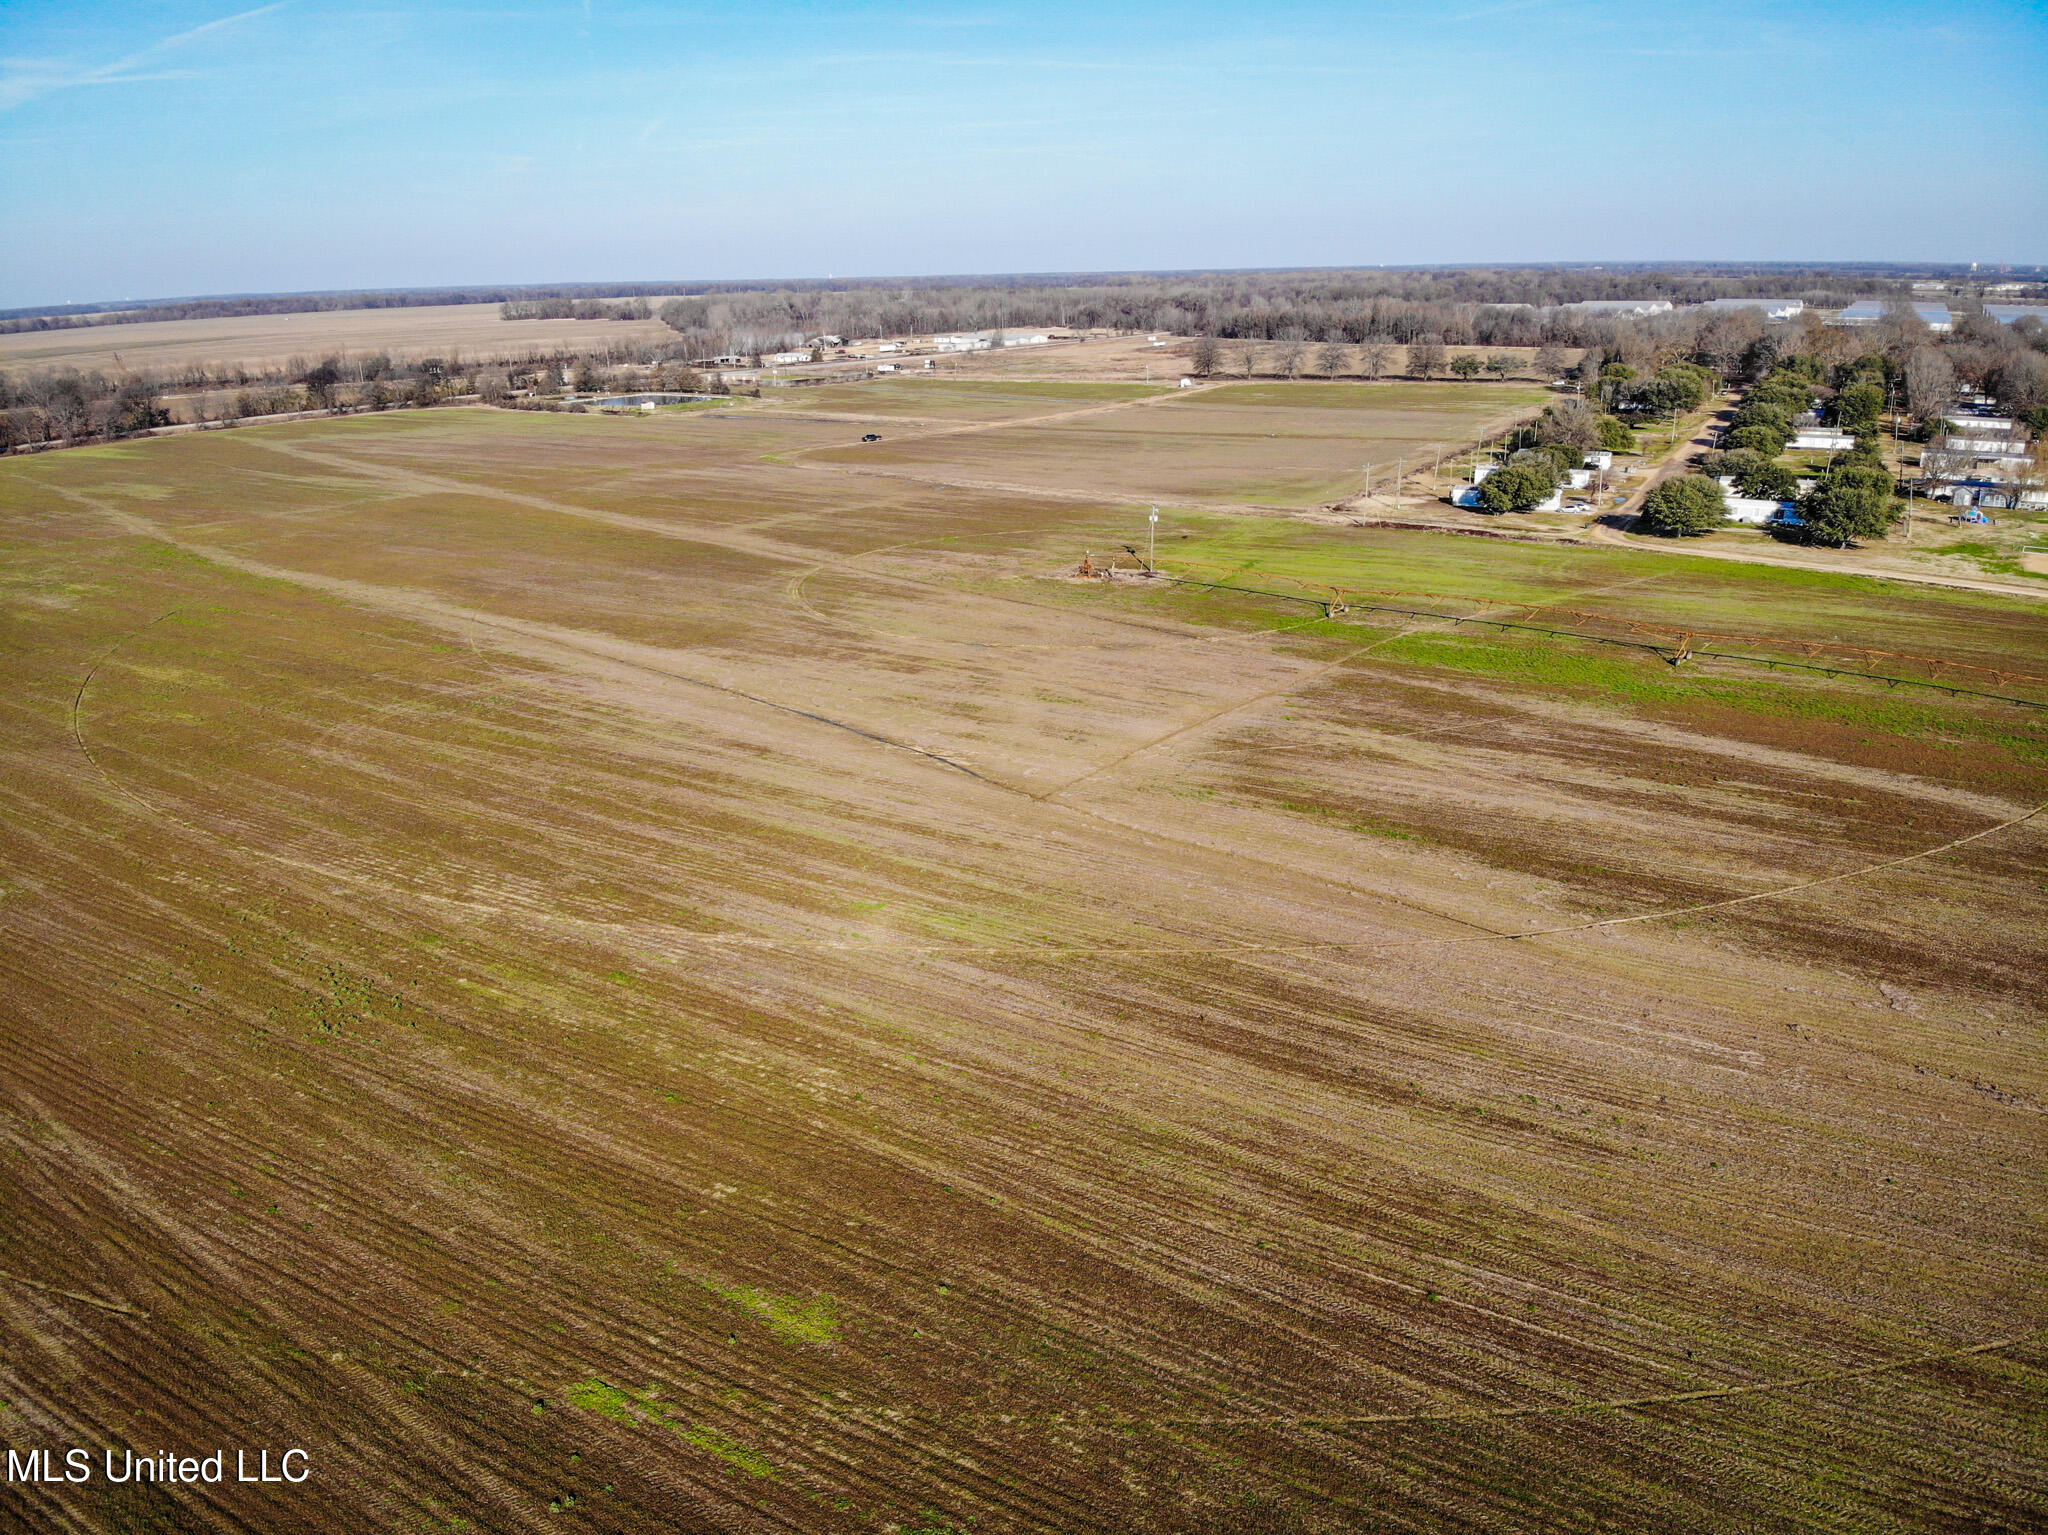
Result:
1187,383
1823,438
885,367
786,359
1600,459
982,341
1748,509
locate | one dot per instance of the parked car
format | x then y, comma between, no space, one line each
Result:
872,437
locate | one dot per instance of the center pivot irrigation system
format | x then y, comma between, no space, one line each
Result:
1675,646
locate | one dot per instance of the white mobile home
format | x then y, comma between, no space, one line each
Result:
1748,509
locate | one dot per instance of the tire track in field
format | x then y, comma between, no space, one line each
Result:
121,1308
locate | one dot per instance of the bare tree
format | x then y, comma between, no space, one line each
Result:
1550,362
1331,359
1248,363
1570,421
1376,356
1291,354
1930,382
1203,362
1426,355
1901,331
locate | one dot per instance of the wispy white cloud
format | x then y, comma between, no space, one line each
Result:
27,79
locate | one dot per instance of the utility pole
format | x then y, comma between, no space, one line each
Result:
1368,477
1152,547
1400,465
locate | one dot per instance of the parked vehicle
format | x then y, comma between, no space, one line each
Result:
872,437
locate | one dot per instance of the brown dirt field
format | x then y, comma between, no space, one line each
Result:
604,974
259,342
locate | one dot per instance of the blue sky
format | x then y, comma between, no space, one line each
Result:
180,148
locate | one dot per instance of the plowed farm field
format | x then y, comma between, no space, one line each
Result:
689,974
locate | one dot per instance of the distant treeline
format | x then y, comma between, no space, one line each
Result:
1514,306
1184,302
1285,325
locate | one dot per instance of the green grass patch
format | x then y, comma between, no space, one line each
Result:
785,1316
1566,666
595,1396
729,1450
